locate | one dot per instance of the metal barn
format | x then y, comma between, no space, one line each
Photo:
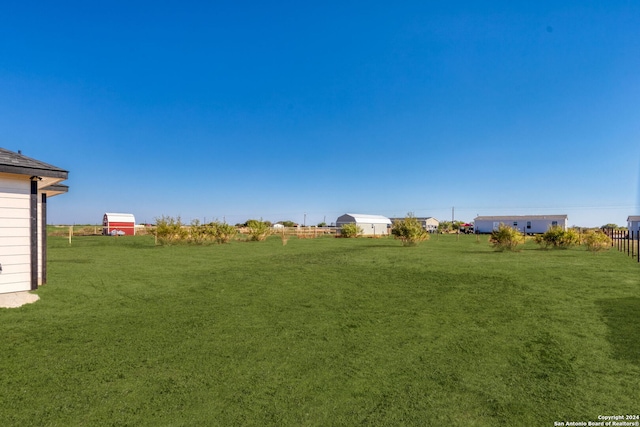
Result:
26,184
118,224
372,225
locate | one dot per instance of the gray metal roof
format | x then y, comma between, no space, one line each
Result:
633,218
367,219
20,164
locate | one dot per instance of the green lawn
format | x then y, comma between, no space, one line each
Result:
322,332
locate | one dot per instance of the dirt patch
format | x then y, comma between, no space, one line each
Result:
17,299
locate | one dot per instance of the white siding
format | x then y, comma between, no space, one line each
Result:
14,234
537,224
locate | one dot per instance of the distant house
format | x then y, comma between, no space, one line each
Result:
523,223
633,223
372,225
429,223
25,186
118,224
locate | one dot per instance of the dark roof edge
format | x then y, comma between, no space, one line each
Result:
57,188
22,170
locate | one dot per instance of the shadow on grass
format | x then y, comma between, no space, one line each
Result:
622,316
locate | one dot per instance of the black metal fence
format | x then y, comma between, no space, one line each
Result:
626,241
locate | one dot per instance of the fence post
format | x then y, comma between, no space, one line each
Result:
70,233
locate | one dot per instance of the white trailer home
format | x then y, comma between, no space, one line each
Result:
372,225
633,223
530,224
25,186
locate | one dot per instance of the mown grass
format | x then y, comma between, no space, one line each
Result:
322,332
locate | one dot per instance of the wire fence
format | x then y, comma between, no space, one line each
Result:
626,241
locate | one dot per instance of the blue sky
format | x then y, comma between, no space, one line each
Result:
243,109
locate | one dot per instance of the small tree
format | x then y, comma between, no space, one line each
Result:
170,230
596,241
350,230
258,230
223,233
557,237
409,230
197,232
505,238
445,226
610,226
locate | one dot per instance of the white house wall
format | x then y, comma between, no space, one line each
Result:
431,224
15,242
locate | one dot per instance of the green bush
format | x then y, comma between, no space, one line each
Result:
170,230
557,237
223,233
505,238
197,233
596,241
350,230
258,230
409,230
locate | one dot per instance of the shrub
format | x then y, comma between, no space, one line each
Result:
170,230
596,241
258,230
505,238
409,230
350,230
223,233
557,237
197,233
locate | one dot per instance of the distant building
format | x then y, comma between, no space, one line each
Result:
372,225
633,223
25,186
118,224
534,224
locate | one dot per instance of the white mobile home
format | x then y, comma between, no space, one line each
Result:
372,225
25,186
530,224
633,223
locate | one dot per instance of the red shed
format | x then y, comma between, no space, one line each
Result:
118,224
